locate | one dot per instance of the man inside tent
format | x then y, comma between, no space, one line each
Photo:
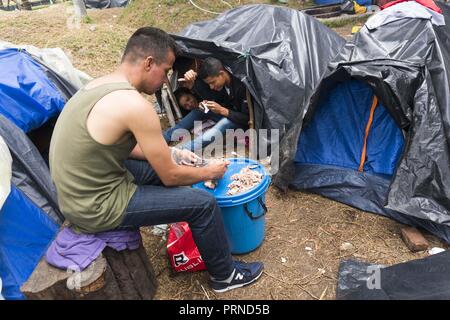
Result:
113,169
223,95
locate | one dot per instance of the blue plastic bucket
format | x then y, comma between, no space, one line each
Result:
244,213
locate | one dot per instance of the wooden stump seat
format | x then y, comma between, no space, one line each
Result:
114,275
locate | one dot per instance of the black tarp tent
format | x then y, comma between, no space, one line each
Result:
279,53
405,63
421,279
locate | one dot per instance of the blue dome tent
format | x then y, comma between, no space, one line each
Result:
31,97
376,132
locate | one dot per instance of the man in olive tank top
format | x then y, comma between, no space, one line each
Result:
113,169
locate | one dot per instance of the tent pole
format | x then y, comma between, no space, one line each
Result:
167,107
173,100
251,125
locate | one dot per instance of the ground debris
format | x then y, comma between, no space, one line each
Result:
347,246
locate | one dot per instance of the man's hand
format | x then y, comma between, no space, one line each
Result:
217,169
185,157
217,108
189,79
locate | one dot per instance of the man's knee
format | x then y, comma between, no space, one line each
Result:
207,211
205,199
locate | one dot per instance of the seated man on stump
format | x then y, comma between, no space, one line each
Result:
113,170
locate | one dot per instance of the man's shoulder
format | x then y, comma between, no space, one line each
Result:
122,105
132,99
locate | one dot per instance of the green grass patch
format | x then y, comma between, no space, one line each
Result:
87,19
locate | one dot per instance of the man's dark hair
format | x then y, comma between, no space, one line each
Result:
210,68
182,91
149,41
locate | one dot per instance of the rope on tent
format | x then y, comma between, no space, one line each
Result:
200,8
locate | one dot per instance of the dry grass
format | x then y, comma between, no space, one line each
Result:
94,47
174,15
295,220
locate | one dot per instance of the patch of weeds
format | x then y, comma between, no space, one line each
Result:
87,19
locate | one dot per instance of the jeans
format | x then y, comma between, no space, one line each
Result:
154,204
187,123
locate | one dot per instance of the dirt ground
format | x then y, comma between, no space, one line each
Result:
295,222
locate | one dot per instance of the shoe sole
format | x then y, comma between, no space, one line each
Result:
238,285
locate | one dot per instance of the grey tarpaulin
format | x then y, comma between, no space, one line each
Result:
29,170
407,64
103,4
280,54
421,279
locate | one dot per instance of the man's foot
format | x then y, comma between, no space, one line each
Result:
242,275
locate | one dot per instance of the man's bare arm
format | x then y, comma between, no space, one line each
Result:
137,153
144,124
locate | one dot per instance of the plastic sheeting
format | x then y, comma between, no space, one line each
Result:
335,136
103,4
5,171
31,93
30,216
280,54
57,61
423,279
410,9
25,233
30,172
1,287
407,65
27,96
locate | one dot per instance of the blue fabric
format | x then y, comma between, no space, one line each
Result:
335,134
25,233
27,96
364,2
207,137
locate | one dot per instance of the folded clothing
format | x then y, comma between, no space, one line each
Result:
76,251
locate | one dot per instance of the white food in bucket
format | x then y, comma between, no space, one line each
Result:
245,180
